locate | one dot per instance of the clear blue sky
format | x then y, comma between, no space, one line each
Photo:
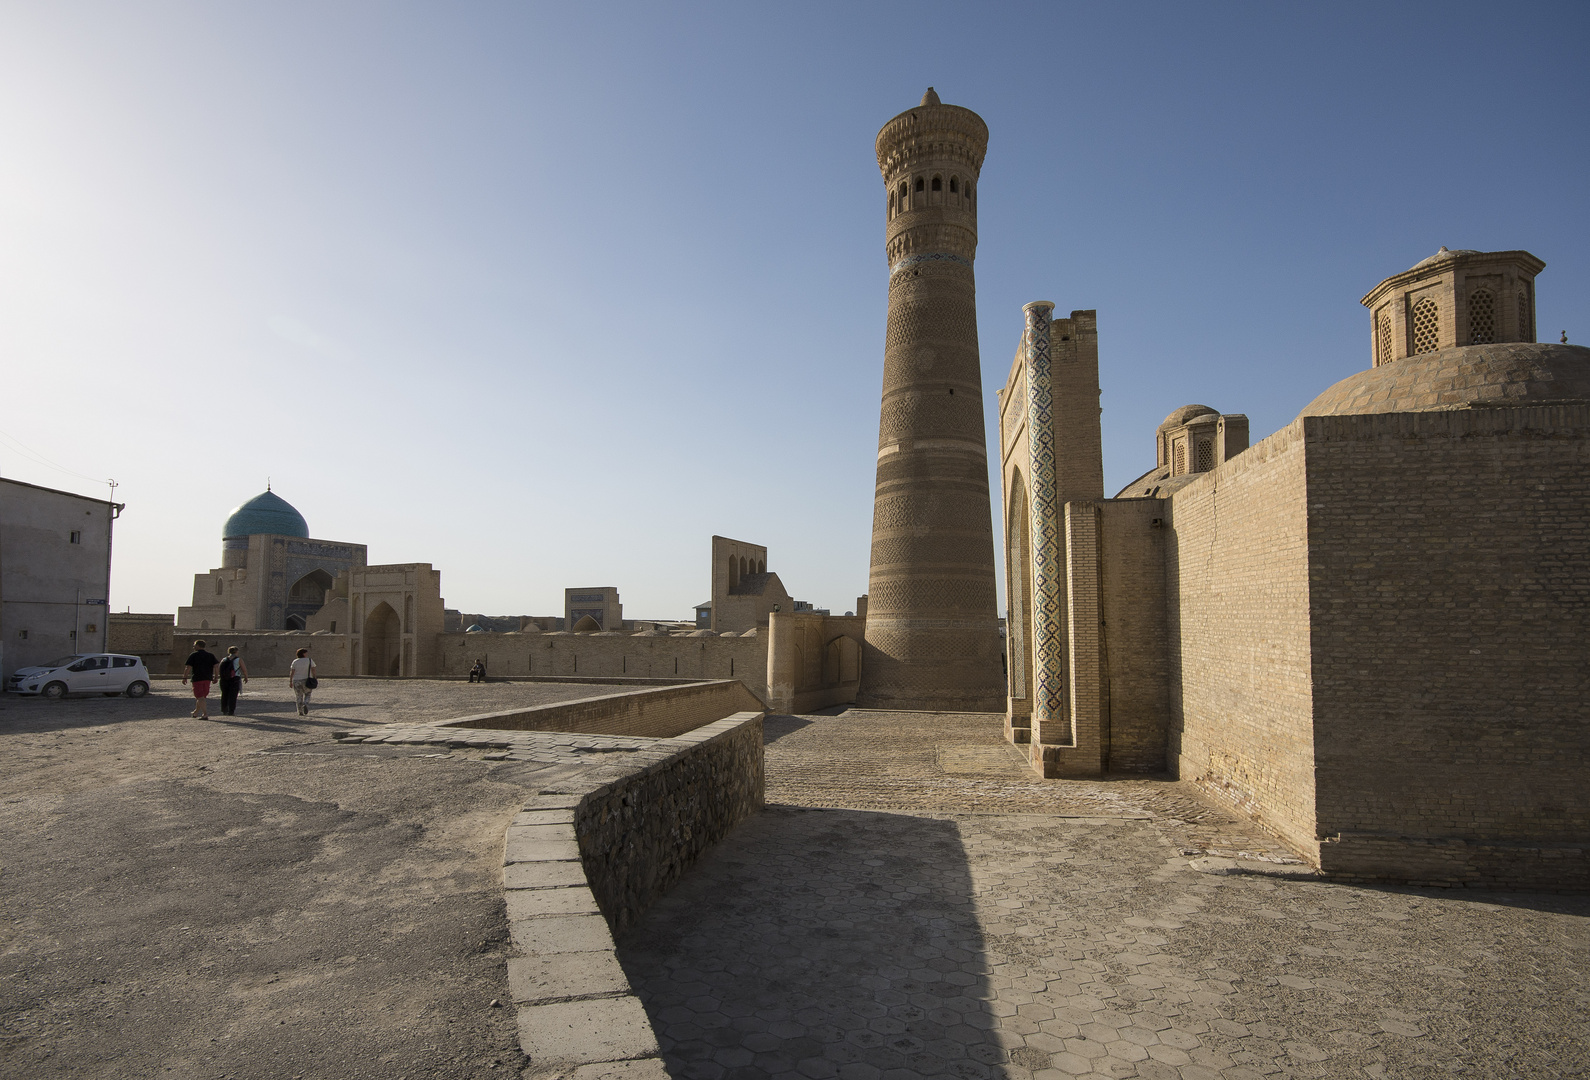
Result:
546,294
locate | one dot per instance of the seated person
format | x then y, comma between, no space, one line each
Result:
478,672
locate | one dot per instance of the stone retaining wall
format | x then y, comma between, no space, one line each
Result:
579,865
658,713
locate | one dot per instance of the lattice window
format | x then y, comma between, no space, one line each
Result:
1206,456
1180,458
1526,314
1383,338
1482,317
1426,327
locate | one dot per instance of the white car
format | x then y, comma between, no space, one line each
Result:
96,673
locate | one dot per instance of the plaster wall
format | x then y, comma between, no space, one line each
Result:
46,579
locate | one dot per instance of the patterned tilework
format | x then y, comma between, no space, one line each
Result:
935,256
1048,550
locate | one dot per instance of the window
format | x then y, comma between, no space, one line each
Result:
955,185
77,536
1179,458
919,183
22,635
217,586
123,661
1206,456
938,183
1482,317
1526,314
1383,338
333,626
1426,327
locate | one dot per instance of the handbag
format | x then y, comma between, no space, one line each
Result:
311,682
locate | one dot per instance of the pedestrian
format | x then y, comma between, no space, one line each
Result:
200,668
302,678
234,673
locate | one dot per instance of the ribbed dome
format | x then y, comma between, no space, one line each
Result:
267,513
1510,375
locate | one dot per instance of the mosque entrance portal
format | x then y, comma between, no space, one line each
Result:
383,642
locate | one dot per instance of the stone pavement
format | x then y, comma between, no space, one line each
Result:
913,903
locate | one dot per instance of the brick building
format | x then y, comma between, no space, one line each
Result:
1370,631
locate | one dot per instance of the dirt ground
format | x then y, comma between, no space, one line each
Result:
244,898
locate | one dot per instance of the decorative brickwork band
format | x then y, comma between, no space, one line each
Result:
1048,549
936,256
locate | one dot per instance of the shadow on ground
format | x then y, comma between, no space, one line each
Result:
820,943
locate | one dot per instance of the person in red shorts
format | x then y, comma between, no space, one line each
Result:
200,667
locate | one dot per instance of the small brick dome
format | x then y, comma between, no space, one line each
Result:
1509,375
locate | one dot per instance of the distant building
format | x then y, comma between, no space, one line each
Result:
272,576
595,608
54,573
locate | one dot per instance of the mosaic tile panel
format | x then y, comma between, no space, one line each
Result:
1048,549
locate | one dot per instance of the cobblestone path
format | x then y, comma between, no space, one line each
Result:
948,915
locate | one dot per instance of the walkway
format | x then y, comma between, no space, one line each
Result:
913,903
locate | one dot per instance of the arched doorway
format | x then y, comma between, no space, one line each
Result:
306,596
383,642
1018,584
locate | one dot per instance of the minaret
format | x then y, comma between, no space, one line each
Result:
932,637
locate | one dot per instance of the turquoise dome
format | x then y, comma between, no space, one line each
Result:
266,512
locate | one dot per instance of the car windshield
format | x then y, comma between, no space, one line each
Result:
63,661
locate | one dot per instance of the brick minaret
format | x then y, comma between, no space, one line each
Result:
932,618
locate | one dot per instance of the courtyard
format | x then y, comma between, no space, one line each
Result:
246,898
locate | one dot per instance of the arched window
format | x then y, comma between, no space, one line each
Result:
938,183
1426,327
1179,458
920,183
734,571
955,185
761,567
1482,317
1383,338
1526,314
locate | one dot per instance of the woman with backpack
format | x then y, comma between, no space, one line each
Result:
234,673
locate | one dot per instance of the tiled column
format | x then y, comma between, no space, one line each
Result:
1048,547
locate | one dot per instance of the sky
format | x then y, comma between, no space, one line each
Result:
547,294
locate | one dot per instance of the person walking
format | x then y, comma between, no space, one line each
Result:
200,668
234,673
302,677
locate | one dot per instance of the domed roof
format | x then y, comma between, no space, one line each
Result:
1443,255
1514,374
1186,413
475,628
268,513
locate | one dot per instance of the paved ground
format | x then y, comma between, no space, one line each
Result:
244,898
910,932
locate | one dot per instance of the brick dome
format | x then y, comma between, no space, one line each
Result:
1470,376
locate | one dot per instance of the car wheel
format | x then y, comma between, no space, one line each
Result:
55,691
138,689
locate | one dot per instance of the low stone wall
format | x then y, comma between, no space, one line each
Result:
657,713
638,836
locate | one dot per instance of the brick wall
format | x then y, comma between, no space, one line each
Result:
1236,574
1136,655
598,655
1450,573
